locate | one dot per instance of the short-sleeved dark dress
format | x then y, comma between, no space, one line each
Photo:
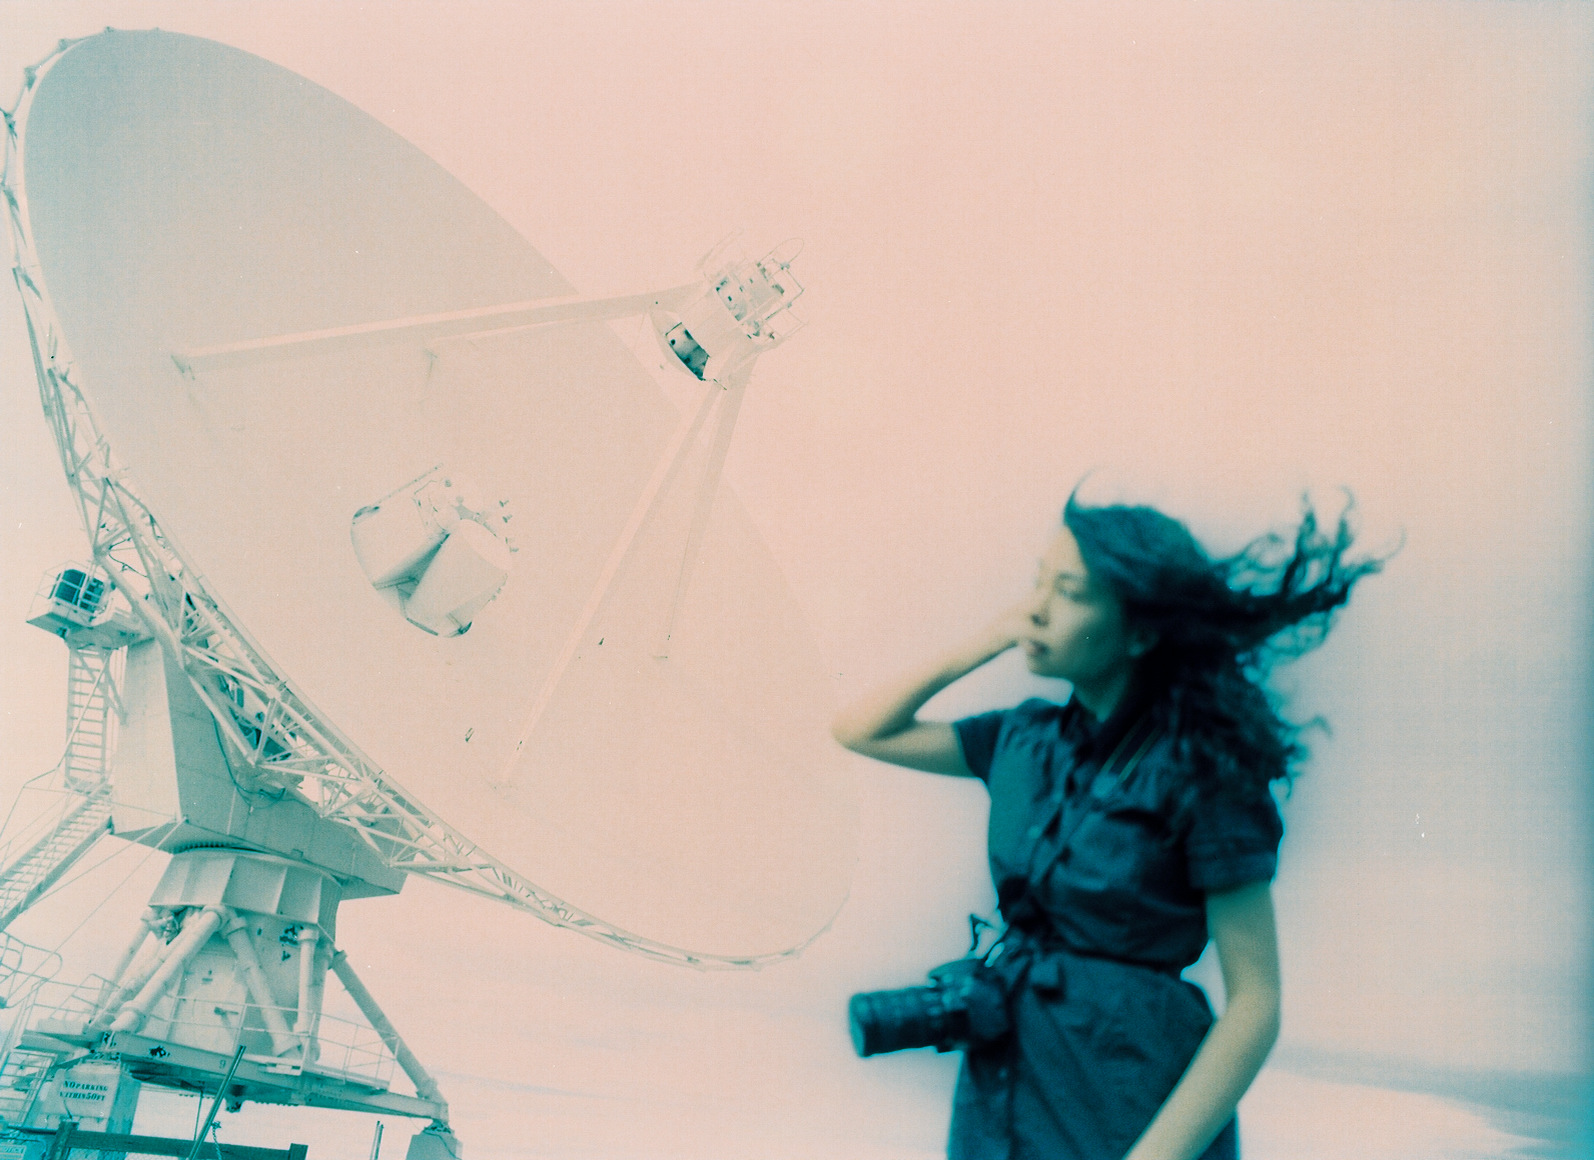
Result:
1103,1026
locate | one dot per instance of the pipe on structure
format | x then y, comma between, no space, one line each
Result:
140,971
309,1009
236,931
425,1086
197,929
318,989
147,923
114,987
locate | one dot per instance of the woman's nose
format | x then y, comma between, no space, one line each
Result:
1038,605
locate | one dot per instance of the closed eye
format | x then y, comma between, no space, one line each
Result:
1069,586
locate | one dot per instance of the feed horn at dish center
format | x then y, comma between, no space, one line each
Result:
400,563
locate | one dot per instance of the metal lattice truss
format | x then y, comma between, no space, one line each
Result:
273,737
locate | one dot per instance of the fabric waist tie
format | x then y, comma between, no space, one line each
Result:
1042,963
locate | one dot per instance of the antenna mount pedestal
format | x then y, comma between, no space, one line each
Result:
232,956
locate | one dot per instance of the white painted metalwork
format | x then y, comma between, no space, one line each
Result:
75,824
349,1050
71,804
274,739
425,1086
23,968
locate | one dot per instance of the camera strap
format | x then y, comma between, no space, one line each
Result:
1126,756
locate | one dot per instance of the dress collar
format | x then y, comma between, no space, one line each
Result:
1095,741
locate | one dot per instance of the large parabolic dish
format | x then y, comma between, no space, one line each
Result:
180,195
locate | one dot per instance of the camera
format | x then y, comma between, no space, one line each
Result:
965,1005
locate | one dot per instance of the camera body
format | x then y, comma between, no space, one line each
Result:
964,1006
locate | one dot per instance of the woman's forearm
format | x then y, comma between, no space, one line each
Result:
890,709
1210,1090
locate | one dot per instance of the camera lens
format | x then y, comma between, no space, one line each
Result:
884,1021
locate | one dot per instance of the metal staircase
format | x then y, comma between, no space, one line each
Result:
29,872
57,817
89,718
60,815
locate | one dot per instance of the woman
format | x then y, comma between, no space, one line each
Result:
1127,827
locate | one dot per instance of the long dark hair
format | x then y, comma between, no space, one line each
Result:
1220,625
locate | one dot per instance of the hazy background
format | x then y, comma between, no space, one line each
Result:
1223,252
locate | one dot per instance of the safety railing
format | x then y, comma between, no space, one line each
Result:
342,1048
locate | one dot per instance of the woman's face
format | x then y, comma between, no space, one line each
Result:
1076,630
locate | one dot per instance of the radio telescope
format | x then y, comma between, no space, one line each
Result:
402,563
